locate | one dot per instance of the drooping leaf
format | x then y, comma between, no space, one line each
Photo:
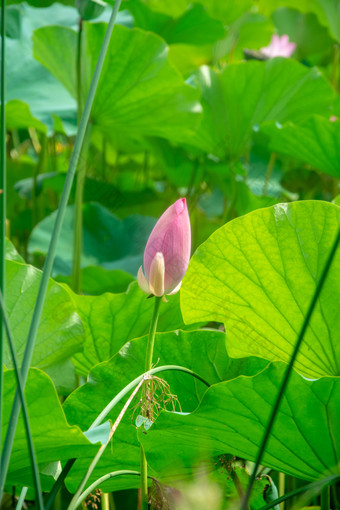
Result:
258,273
18,116
244,95
60,334
139,88
315,141
54,439
202,351
107,241
305,440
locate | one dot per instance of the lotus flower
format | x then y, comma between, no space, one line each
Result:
279,47
167,252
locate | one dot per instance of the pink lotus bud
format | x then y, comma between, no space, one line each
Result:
279,47
333,118
167,252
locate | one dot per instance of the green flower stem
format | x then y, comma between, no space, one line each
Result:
2,200
52,247
101,417
152,332
101,450
244,503
101,480
312,488
135,382
148,365
21,499
20,386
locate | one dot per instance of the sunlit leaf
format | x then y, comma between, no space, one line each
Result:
258,273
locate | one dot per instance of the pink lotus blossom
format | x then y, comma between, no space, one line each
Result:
279,47
333,118
167,252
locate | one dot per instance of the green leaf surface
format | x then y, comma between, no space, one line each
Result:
138,89
11,253
26,79
258,273
194,27
54,439
278,89
95,280
305,440
18,116
111,320
107,241
202,351
331,11
315,141
60,334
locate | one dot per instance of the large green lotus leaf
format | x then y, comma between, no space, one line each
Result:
232,417
27,80
224,11
246,94
54,439
195,26
202,351
107,241
95,280
258,273
139,89
315,141
60,333
111,320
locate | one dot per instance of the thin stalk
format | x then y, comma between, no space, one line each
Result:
282,484
269,172
325,500
80,179
286,377
101,480
152,333
335,70
74,501
38,169
134,383
59,482
148,365
78,217
314,486
103,414
20,389
52,247
105,501
21,499
2,201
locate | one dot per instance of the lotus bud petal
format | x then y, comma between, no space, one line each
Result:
167,252
279,47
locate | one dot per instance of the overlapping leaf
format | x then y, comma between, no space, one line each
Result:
60,334
315,141
244,95
231,419
54,439
139,89
202,351
258,273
